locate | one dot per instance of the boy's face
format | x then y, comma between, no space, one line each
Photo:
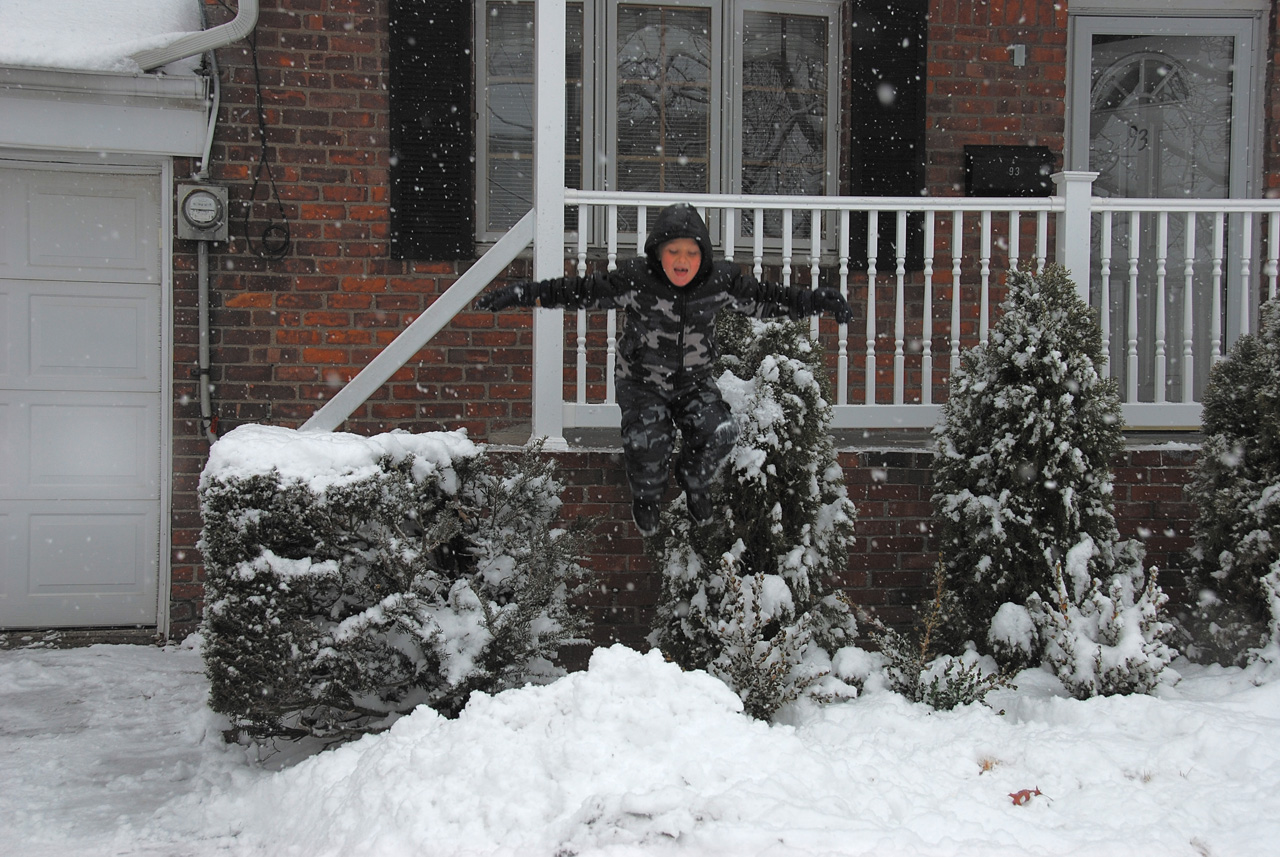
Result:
681,258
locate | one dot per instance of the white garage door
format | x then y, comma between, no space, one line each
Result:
80,397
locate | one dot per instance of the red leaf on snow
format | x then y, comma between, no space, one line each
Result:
1021,797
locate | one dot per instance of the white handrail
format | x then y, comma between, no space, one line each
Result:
411,340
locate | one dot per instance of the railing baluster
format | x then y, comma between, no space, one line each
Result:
1219,243
757,254
957,253
900,309
873,241
582,313
730,232
1042,240
1104,297
1014,241
842,348
611,317
1131,381
1273,253
815,261
926,329
1246,287
1162,253
984,302
786,247
1188,308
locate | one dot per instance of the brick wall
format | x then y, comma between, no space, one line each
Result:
976,96
892,561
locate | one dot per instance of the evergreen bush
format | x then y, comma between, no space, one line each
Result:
1102,640
751,597
1237,490
341,595
917,668
1023,477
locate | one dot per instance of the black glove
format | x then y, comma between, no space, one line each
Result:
832,302
500,299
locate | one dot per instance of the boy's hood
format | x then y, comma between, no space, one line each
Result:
679,221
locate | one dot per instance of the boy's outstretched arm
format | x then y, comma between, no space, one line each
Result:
833,303
515,294
801,303
595,291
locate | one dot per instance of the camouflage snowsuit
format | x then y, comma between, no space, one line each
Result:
667,352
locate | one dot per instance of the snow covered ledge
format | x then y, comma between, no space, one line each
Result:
69,79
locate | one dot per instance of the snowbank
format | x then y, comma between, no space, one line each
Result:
633,757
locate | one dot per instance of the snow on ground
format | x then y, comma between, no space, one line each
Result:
92,35
108,750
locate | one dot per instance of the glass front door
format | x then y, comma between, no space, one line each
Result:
1160,110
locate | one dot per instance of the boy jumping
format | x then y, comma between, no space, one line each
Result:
667,353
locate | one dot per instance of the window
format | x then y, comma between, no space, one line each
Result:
699,97
505,104
695,96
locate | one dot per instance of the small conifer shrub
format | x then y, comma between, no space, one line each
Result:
1103,639
1023,477
916,666
751,597
1236,573
398,571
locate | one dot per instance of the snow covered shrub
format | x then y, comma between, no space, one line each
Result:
916,667
1023,469
1237,489
352,579
1103,640
751,596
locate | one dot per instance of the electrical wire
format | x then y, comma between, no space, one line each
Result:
275,238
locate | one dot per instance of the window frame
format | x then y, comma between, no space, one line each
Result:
600,110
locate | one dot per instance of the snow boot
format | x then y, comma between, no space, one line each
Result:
646,514
700,508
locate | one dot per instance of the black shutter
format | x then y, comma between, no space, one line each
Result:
888,66
432,141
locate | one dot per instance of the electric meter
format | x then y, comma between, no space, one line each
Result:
202,212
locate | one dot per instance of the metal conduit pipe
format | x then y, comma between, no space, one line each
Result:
206,40
202,271
206,406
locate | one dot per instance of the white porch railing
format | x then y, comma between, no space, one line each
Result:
1173,305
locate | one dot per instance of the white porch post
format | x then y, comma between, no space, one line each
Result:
1074,230
548,207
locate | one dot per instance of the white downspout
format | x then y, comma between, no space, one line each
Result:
206,40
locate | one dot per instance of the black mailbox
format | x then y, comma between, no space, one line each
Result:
1008,171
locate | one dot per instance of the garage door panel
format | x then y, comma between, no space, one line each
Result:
12,471
79,336
88,553
93,226
7,337
94,449
11,228
10,546
83,566
89,340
